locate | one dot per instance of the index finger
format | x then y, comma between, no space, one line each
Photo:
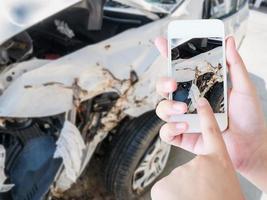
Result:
238,72
212,137
165,85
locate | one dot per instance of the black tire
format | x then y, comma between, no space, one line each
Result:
216,96
131,143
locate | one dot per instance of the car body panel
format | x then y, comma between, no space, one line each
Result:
53,85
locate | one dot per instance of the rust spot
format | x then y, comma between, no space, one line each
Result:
28,86
151,41
107,72
77,92
107,46
9,78
186,69
139,102
52,83
133,77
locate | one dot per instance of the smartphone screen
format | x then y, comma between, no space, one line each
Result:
197,66
197,63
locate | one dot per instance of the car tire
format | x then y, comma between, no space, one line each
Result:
130,145
216,97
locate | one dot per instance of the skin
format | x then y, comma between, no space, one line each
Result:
246,136
207,177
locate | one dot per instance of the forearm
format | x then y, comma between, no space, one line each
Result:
256,171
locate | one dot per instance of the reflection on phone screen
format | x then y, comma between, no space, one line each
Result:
197,66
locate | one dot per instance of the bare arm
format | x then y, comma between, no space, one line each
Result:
256,169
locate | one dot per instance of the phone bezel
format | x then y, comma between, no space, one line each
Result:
197,29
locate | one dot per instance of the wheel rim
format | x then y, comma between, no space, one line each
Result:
151,166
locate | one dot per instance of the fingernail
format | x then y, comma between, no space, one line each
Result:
202,102
178,107
181,126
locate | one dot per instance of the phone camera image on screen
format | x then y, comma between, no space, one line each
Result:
197,66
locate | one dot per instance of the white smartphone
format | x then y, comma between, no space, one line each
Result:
197,63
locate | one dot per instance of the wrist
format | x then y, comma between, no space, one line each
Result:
255,169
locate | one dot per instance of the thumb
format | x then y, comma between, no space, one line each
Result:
212,137
238,72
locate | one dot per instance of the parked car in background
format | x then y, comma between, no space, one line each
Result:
76,73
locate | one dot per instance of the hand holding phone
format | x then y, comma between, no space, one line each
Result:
210,175
247,131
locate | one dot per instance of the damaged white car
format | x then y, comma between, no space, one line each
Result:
72,73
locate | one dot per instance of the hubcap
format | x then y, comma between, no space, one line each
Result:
151,166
